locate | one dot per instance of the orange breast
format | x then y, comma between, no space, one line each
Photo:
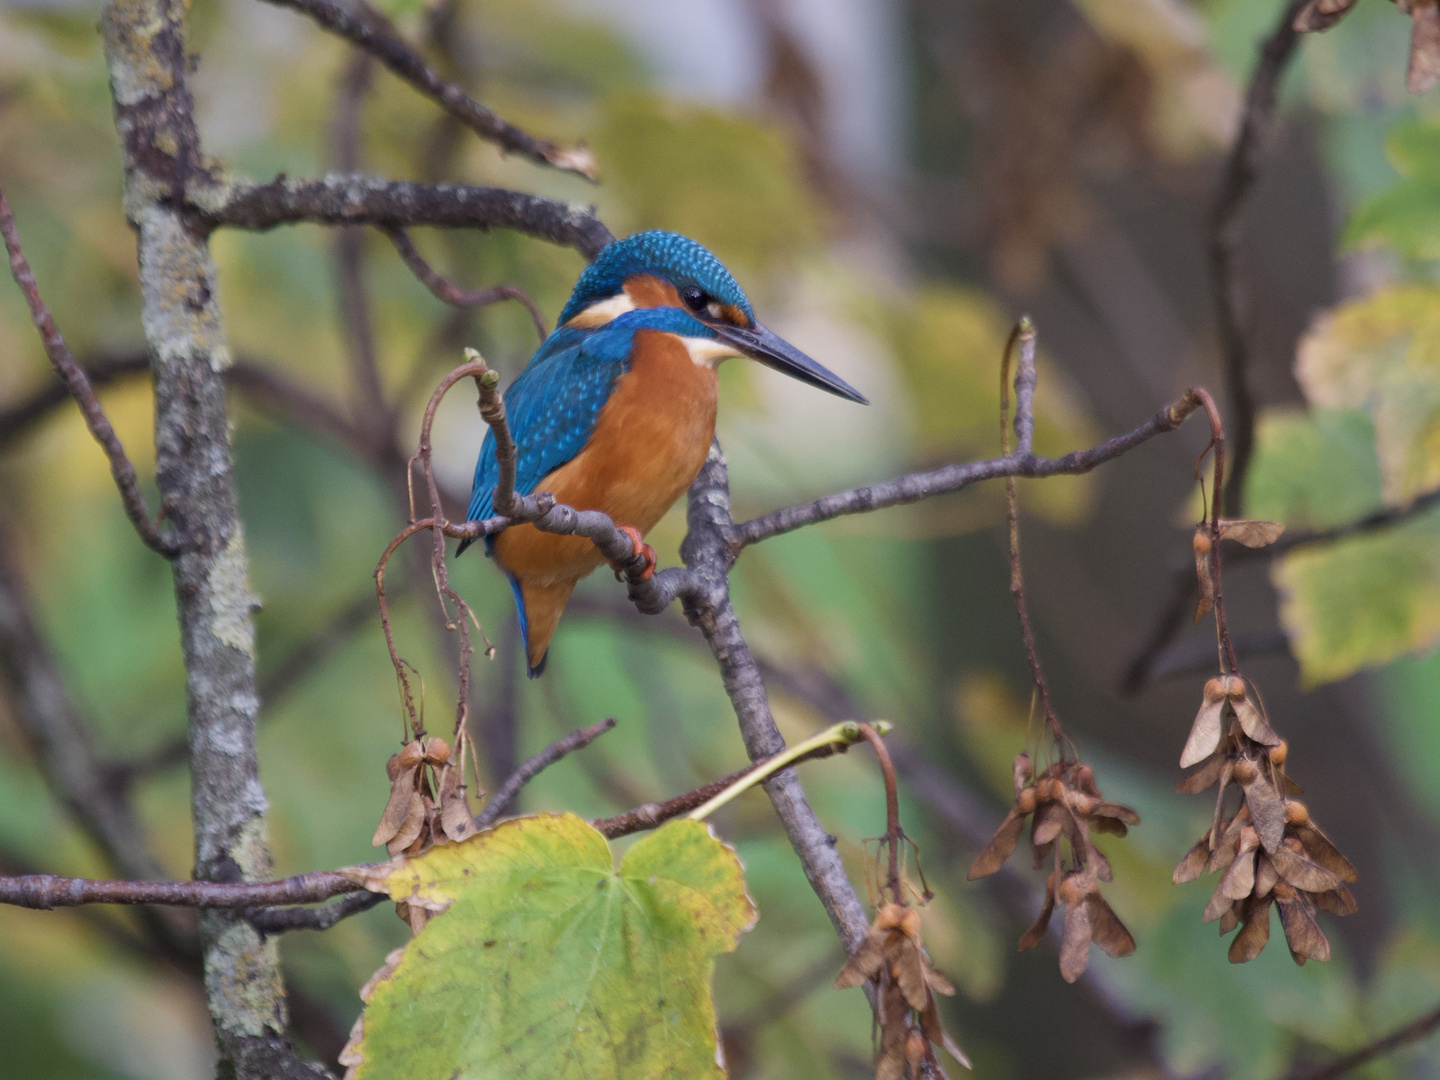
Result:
650,439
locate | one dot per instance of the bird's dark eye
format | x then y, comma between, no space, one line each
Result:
694,297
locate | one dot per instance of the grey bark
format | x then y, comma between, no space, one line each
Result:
145,52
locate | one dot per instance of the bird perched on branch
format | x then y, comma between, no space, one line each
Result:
616,410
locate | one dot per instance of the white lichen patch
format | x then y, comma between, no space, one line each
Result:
231,601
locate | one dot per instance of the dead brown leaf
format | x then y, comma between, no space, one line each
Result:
1253,534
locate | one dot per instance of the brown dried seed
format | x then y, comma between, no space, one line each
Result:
411,755
1302,871
1227,844
1036,933
1206,775
1075,942
414,824
397,808
1279,752
1000,846
1267,810
1231,918
1109,825
1206,731
909,970
1115,810
1239,879
1075,887
1254,934
1339,901
1251,533
1107,930
1253,722
1302,932
1296,812
1025,801
1320,848
1083,777
1193,864
1081,802
1045,789
930,1025
1245,771
437,751
1217,905
1049,820
864,963
392,767
1265,875
456,821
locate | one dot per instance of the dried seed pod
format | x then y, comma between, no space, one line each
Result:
437,751
1205,733
411,755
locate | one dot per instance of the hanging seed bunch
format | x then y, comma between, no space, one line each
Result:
1065,804
1424,69
1268,851
893,959
427,803
1064,800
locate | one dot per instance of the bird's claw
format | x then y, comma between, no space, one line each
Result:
642,551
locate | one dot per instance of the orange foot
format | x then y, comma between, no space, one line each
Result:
642,550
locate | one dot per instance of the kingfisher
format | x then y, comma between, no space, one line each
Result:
616,410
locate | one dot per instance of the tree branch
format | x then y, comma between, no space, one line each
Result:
1232,307
406,63
78,386
452,294
915,487
47,891
340,199
1404,1035
145,51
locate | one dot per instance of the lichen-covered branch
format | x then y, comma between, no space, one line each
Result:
146,54
347,199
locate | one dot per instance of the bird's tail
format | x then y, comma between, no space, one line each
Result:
540,608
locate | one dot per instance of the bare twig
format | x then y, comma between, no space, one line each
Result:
405,62
367,200
78,385
21,417
1024,335
452,294
501,800
1217,447
915,487
47,891
1413,1032
893,833
1232,309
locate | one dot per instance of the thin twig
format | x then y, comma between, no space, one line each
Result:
893,833
1023,335
1404,1035
368,200
505,795
450,293
1217,446
405,62
1232,308
76,382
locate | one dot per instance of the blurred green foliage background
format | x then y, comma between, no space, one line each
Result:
1051,157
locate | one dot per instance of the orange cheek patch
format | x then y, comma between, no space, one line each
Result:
648,291
733,314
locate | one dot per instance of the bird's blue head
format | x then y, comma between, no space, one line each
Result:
664,269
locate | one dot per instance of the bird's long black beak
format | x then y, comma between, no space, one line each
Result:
774,351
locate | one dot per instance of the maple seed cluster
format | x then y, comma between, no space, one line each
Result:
427,803
893,955
1065,802
1269,851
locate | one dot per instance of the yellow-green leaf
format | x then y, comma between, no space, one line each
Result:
1361,602
1382,354
550,962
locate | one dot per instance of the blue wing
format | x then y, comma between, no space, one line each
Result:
552,406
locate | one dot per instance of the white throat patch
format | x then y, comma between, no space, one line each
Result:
708,352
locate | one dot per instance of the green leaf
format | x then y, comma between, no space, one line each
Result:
1313,470
1362,602
1382,354
549,962
1403,215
